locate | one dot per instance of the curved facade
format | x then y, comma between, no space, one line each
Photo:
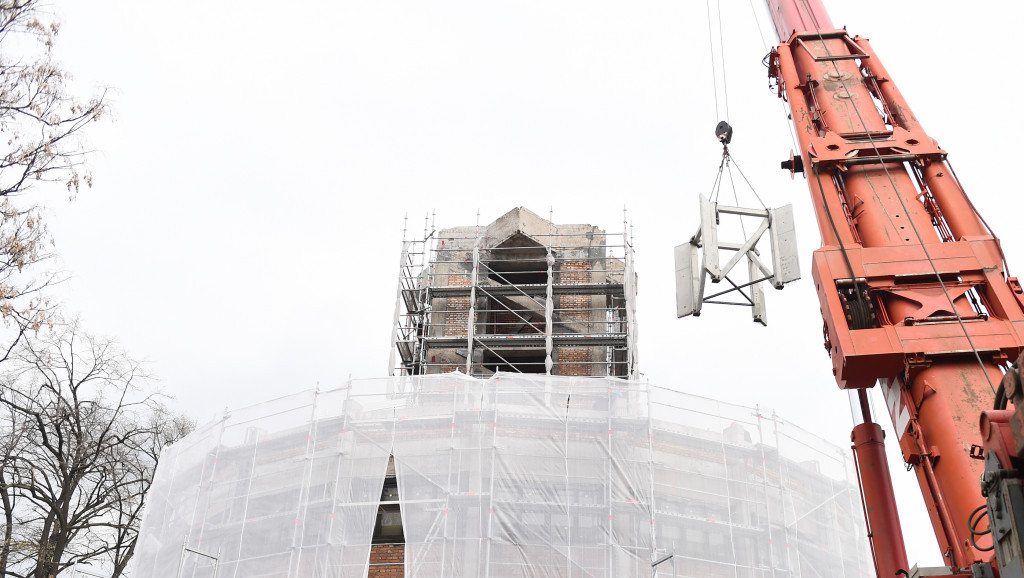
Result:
513,476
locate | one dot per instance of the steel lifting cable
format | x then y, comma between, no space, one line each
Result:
714,65
728,161
999,244
726,166
757,22
721,44
913,226
716,188
735,196
835,231
767,51
746,180
717,185
711,47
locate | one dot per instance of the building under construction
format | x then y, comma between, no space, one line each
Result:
521,294
512,440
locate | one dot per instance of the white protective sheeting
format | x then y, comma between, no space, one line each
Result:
514,476
289,487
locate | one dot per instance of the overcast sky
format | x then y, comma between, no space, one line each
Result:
244,230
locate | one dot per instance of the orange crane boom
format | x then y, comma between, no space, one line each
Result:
912,284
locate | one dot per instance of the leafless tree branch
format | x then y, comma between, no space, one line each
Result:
88,430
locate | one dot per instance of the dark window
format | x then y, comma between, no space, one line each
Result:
511,361
528,271
388,528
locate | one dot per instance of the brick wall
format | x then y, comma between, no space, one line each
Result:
575,307
456,317
574,361
387,561
574,272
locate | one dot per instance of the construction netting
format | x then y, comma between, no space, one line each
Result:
514,476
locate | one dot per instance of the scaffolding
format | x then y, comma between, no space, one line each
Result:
521,294
514,476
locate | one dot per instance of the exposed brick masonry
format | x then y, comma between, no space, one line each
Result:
456,318
574,361
574,272
575,307
387,561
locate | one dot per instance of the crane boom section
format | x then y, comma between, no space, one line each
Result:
792,16
912,285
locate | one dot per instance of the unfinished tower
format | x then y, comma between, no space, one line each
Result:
521,294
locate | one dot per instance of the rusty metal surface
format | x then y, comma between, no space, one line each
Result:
893,217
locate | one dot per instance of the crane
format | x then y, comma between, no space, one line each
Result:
915,296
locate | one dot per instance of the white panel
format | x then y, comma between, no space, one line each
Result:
757,294
687,279
709,231
785,257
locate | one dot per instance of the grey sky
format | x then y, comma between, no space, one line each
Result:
244,230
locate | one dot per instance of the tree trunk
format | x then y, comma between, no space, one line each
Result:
5,551
121,564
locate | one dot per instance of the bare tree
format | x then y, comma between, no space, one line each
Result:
80,427
12,442
41,125
160,428
92,429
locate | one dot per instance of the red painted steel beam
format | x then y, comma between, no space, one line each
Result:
798,16
884,529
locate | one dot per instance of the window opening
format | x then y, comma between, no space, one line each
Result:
388,528
519,272
523,361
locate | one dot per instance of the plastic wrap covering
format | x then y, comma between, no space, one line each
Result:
514,476
740,493
525,477
285,488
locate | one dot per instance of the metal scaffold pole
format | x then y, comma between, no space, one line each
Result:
471,316
396,318
549,305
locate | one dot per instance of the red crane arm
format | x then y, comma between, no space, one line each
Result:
798,16
912,285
